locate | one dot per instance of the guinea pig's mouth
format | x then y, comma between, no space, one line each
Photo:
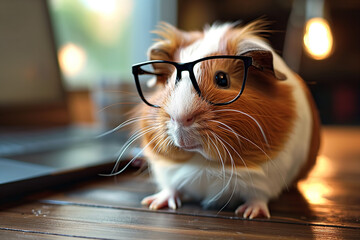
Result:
191,148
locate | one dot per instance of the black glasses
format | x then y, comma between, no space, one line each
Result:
219,80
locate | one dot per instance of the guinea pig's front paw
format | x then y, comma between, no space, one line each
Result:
252,209
165,198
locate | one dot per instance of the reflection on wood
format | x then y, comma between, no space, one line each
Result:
324,206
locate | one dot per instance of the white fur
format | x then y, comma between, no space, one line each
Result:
182,97
199,178
178,107
207,45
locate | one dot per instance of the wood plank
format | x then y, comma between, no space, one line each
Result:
112,223
329,196
292,206
326,206
28,235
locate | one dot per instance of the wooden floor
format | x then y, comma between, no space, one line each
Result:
325,206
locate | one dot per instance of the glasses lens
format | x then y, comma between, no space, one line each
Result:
152,78
220,79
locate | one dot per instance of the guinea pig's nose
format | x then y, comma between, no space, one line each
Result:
185,120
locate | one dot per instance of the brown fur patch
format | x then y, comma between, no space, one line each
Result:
271,104
265,99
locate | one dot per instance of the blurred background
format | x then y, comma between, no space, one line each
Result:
96,42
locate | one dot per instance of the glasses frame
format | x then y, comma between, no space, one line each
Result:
189,67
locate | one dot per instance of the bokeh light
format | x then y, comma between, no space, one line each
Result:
72,59
318,39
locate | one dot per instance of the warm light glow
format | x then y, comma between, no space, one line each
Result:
315,193
318,38
313,190
71,59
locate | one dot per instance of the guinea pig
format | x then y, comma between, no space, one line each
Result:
228,123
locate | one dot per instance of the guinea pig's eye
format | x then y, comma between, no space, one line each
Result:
222,80
163,77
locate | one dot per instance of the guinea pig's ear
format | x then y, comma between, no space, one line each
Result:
262,58
160,51
165,47
170,40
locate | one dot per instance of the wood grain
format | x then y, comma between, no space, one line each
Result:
15,234
324,206
113,223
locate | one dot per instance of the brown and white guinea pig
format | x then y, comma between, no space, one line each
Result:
242,154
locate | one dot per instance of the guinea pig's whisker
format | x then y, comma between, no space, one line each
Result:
229,129
218,195
125,147
251,117
223,172
243,161
267,156
251,142
237,136
233,166
157,146
234,188
158,142
227,126
257,146
138,134
115,104
124,124
136,156
169,142
224,147
206,141
221,159
223,142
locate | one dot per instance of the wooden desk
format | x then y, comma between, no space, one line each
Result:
325,206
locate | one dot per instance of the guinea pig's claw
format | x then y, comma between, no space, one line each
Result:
165,198
253,209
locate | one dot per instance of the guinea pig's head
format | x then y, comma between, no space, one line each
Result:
246,132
